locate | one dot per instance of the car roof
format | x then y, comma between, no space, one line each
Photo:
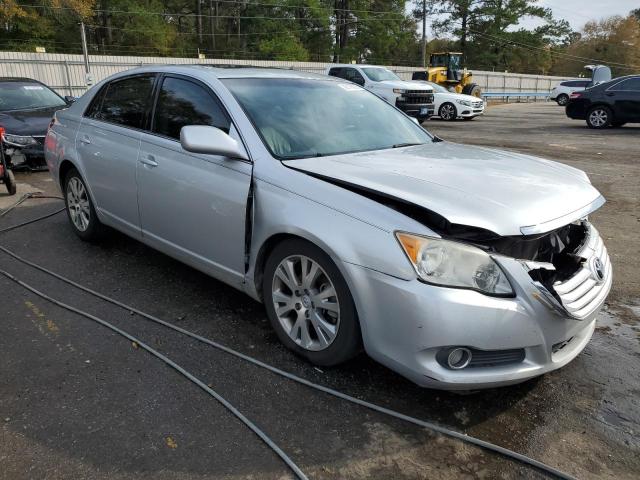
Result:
18,79
224,71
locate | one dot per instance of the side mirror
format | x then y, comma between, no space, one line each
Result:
211,140
69,99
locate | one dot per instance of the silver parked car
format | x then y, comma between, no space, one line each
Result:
459,267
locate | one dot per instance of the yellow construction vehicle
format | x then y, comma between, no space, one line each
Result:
445,68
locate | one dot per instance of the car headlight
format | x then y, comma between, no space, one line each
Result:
454,264
19,140
399,90
464,102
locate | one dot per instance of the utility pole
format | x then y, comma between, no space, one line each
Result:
424,33
85,53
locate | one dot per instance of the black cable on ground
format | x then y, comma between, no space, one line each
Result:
26,197
263,436
431,426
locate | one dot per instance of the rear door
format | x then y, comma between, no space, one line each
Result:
192,206
108,141
625,96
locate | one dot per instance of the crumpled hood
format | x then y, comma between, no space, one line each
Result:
28,122
504,192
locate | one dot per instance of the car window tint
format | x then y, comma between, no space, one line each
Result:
182,102
631,84
96,103
353,75
126,101
336,72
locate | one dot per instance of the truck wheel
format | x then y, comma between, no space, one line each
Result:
10,183
472,89
448,111
599,117
562,99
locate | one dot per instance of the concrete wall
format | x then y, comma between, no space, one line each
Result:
65,73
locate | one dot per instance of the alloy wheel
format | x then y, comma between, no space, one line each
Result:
447,112
598,117
306,302
78,204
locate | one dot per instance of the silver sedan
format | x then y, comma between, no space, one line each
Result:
458,267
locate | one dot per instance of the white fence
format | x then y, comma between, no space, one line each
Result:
66,73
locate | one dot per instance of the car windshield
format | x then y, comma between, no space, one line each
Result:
27,95
300,118
380,74
438,88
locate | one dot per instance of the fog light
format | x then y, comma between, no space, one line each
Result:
459,358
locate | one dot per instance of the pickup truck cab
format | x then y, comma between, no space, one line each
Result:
413,98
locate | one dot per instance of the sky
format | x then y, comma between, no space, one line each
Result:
579,12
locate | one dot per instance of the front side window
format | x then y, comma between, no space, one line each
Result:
181,103
126,102
299,118
27,96
353,75
380,74
629,85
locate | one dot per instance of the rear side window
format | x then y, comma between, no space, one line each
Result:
353,75
336,72
631,84
124,102
182,102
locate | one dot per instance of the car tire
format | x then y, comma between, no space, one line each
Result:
599,117
562,99
472,89
80,210
10,183
448,111
325,337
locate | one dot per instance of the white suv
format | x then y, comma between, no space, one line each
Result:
562,91
413,98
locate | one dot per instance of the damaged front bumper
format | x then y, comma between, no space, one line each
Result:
407,325
29,157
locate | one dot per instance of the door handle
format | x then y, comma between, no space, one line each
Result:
149,161
609,94
85,139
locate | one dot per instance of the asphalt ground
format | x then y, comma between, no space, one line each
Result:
78,401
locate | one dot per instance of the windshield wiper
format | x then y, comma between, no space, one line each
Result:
408,144
297,157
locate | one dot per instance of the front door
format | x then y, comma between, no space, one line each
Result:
192,206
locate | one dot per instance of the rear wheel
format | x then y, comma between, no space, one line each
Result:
448,111
10,183
599,117
309,304
472,89
562,99
80,210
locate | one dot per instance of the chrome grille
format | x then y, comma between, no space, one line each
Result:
583,293
477,104
417,97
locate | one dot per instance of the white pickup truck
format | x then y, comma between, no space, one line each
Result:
413,98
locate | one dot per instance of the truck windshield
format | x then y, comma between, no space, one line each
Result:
380,74
26,96
300,118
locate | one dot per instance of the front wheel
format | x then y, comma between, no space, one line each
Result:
10,183
80,210
448,111
472,89
309,304
599,117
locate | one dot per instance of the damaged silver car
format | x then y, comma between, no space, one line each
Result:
459,267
